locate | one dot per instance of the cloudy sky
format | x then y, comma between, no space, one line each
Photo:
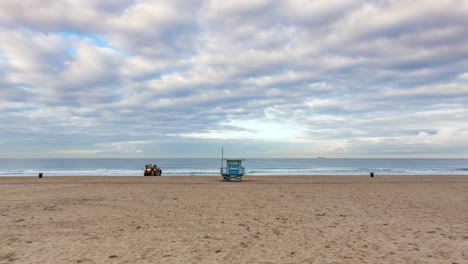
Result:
261,78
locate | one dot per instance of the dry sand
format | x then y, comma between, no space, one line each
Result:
326,219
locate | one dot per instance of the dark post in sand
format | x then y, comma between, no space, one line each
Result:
372,174
40,175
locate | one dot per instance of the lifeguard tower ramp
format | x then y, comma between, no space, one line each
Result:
232,170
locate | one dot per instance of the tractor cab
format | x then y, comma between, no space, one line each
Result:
152,170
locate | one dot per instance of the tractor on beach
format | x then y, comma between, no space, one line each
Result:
152,170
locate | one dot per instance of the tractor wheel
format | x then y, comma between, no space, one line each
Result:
160,172
152,173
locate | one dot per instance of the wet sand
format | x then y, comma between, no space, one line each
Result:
300,219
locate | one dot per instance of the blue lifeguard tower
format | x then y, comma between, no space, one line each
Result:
232,170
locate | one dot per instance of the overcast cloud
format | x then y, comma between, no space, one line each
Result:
263,78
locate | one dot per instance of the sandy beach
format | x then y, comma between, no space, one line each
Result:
300,219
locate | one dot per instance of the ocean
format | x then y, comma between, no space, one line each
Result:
210,166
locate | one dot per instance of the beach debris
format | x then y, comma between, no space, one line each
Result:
372,174
152,170
40,175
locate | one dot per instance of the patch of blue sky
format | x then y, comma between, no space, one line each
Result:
100,42
71,51
26,109
3,56
189,56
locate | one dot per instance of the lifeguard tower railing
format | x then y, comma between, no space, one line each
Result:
232,169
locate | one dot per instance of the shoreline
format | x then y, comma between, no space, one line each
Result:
246,176
264,219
